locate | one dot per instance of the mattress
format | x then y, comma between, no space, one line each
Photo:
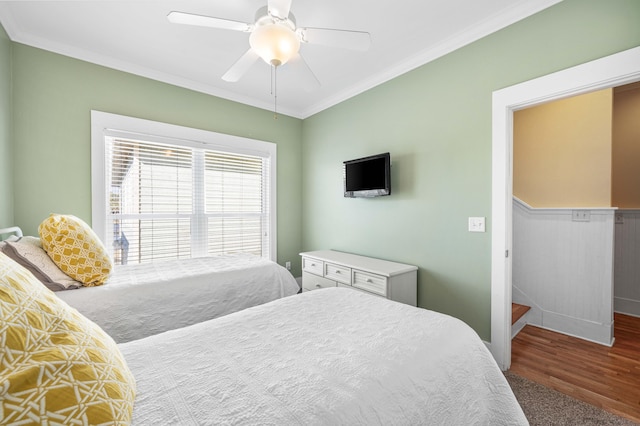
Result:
330,356
141,300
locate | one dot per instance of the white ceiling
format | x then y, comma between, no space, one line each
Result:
135,36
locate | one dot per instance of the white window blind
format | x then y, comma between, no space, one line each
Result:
235,199
166,200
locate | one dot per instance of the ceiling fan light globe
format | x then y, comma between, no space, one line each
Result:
275,43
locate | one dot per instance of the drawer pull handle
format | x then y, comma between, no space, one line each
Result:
337,272
369,280
318,286
313,264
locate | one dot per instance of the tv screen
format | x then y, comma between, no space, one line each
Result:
368,177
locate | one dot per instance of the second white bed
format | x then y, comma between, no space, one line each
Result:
141,300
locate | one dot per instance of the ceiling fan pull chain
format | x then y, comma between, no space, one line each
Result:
275,92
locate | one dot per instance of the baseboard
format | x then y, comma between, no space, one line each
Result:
583,329
626,306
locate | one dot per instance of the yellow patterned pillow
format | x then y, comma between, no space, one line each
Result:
76,249
56,366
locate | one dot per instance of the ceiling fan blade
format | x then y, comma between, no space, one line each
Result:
279,8
241,66
352,40
207,21
301,68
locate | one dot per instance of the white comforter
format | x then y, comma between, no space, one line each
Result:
141,300
325,357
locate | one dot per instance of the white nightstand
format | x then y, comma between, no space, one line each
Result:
328,268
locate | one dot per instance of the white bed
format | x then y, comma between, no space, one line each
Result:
325,357
141,300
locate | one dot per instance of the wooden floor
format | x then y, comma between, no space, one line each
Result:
607,377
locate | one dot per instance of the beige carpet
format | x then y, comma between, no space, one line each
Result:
545,406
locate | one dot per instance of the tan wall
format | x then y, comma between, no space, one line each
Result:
626,147
562,152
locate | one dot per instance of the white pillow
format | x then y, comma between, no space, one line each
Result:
28,252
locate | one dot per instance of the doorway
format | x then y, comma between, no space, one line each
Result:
618,69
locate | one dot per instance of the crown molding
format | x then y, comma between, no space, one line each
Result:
521,10
153,74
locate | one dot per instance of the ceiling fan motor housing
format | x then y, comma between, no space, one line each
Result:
274,39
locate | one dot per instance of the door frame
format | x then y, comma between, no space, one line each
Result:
610,71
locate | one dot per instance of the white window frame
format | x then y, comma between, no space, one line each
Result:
105,124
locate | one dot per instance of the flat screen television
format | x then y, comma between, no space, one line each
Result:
368,177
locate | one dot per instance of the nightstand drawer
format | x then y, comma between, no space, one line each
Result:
338,273
312,265
358,289
314,282
371,282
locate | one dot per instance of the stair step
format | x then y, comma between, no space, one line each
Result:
518,311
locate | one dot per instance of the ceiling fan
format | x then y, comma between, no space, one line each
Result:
276,39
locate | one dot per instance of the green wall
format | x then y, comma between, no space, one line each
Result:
436,122
53,98
6,178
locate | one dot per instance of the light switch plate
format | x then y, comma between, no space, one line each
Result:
476,224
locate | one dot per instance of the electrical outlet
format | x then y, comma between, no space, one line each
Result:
476,224
581,215
619,218
287,265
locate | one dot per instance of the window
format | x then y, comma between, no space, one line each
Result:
167,192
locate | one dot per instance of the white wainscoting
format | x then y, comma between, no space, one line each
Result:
627,262
563,269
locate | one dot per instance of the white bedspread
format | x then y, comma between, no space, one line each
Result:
141,300
325,357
